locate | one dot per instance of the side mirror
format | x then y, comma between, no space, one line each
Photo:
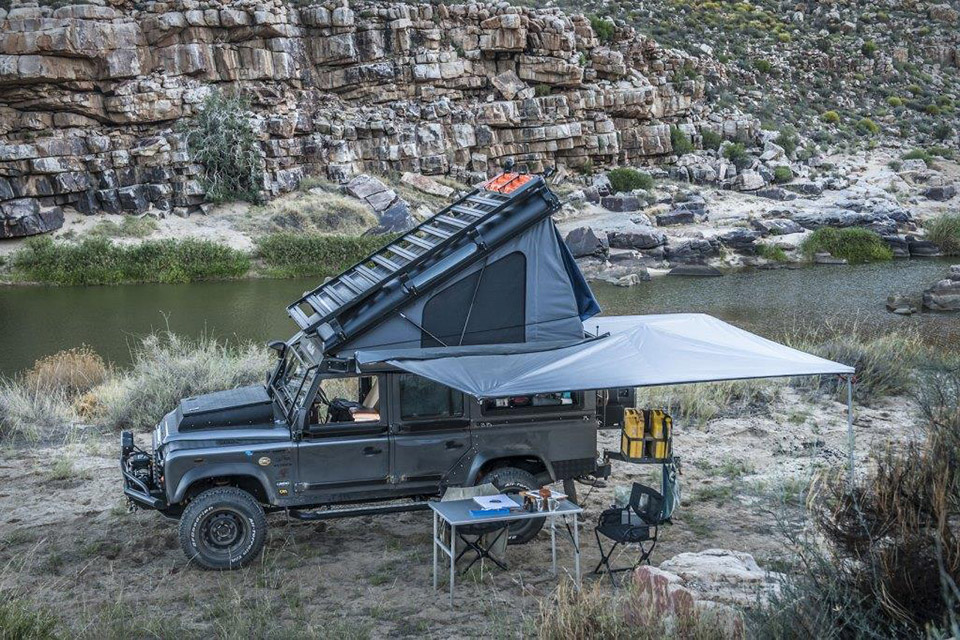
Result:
278,345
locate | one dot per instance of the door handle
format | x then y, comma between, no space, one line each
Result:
371,451
454,444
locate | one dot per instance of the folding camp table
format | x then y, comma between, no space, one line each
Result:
457,513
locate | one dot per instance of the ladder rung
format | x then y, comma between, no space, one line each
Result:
319,304
403,253
368,273
420,242
385,262
350,284
487,201
330,291
434,231
473,213
453,222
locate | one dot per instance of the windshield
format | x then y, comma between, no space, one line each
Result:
294,380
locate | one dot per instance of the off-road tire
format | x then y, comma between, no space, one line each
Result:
512,480
223,528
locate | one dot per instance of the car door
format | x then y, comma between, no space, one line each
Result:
341,461
431,434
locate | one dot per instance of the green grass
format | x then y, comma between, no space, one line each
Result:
23,620
944,232
99,261
772,253
625,179
290,255
856,246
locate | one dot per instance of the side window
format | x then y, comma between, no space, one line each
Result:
543,402
354,399
422,399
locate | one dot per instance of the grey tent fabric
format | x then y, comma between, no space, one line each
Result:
550,307
630,351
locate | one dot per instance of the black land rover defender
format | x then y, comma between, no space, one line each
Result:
387,442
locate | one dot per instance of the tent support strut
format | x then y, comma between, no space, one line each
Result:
851,439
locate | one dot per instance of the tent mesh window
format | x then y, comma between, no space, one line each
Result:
486,307
421,398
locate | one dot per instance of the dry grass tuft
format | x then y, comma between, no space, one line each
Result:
167,368
30,413
702,402
74,371
316,211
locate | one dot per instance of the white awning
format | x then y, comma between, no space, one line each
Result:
640,351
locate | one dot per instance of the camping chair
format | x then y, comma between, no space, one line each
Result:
485,539
638,523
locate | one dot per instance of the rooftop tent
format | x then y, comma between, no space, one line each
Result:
627,351
489,269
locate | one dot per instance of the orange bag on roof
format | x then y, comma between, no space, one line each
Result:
508,182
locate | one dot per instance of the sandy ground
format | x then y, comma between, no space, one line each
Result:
71,543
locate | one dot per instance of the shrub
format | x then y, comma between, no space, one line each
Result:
73,371
856,246
941,152
763,66
788,139
830,117
131,227
782,174
869,48
736,153
625,179
918,154
297,254
29,412
784,37
711,139
542,89
167,368
680,142
866,126
944,231
894,101
942,131
221,139
317,212
604,28
99,261
772,253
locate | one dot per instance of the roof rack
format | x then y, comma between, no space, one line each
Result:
411,253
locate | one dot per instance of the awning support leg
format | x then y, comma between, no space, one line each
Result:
851,439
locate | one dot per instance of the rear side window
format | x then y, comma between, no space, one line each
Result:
540,402
486,307
422,399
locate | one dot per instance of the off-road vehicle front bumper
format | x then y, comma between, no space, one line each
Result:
139,480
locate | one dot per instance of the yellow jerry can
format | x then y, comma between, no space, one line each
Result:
631,440
660,429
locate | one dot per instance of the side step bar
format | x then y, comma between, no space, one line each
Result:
330,514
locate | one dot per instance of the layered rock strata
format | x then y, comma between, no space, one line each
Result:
90,96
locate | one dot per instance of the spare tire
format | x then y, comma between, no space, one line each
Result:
511,481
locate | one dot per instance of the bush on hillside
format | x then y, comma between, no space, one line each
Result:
625,179
944,232
830,117
866,126
300,254
680,141
99,261
222,140
856,246
736,153
603,28
782,174
73,371
788,139
711,139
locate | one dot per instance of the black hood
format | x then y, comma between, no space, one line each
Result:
233,408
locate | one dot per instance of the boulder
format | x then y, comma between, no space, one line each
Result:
742,240
899,246
940,193
944,295
922,248
901,304
775,193
583,242
750,180
641,238
776,226
426,185
724,576
690,251
805,188
25,217
508,84
395,218
824,257
621,202
675,217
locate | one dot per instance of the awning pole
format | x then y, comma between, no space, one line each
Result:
851,441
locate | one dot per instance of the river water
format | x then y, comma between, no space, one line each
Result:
37,321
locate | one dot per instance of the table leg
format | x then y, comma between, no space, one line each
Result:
453,555
434,550
553,543
576,548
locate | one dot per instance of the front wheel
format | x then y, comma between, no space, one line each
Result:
223,528
511,481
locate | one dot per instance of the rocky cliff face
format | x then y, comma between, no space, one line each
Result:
90,96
